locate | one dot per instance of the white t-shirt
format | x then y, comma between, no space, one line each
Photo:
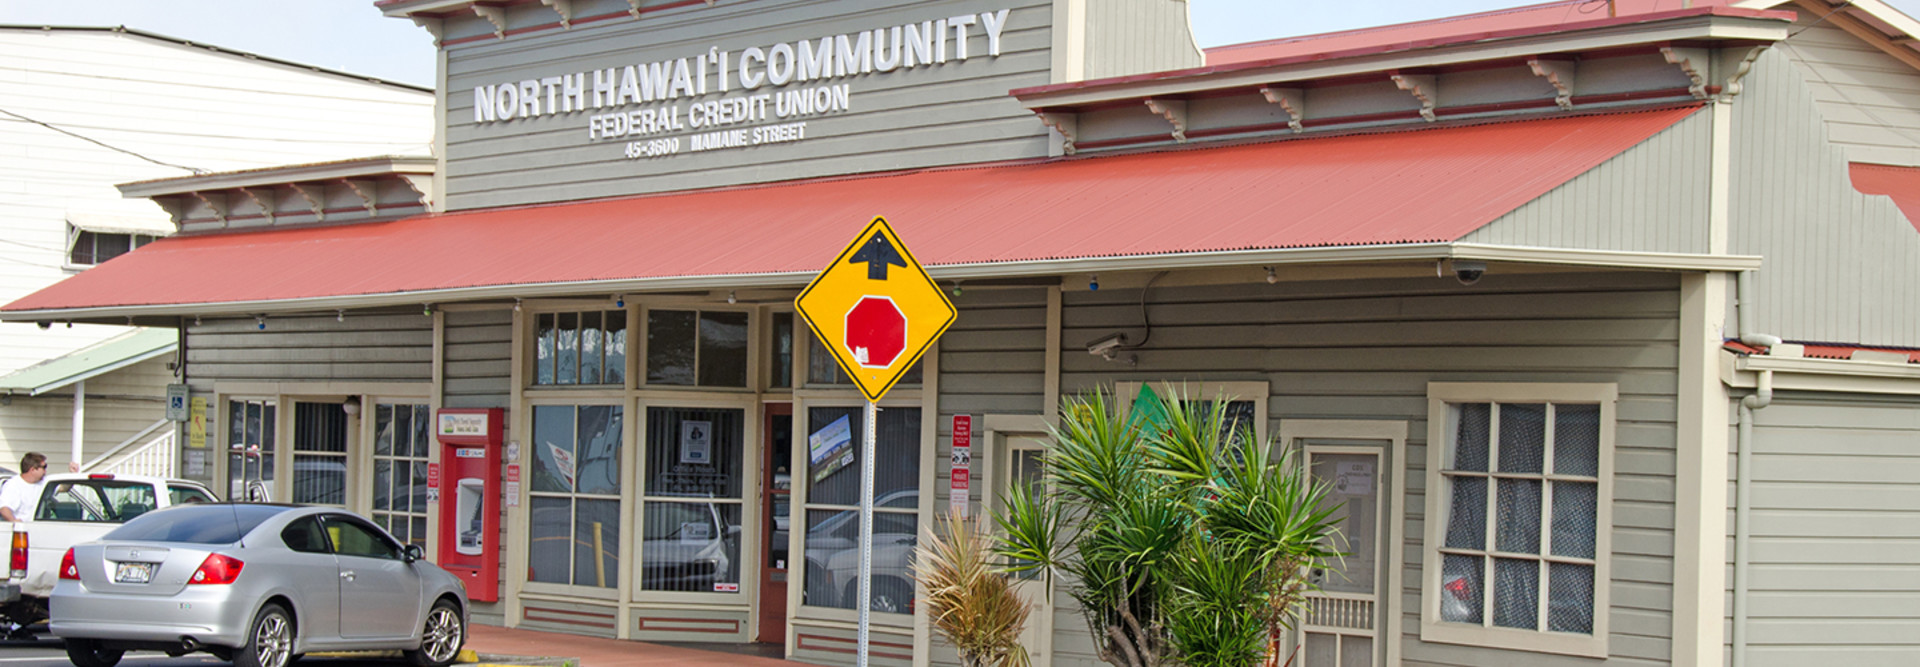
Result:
21,496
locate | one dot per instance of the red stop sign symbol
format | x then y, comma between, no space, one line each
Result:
876,332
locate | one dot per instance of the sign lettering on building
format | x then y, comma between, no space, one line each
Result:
766,92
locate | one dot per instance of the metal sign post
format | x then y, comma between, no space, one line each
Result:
877,311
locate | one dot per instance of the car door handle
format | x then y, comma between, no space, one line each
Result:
347,575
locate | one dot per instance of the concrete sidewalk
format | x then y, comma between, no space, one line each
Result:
513,646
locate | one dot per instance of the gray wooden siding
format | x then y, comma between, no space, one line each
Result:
119,404
1840,266
1834,528
478,359
1651,198
1366,349
1134,36
391,346
950,113
1871,101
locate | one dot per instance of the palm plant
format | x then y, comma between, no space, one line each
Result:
1182,539
971,602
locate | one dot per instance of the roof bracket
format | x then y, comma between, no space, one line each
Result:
494,14
1693,64
422,185
1291,100
431,24
219,208
1559,74
315,201
364,188
633,7
1734,82
564,8
1425,89
266,203
1067,124
1175,111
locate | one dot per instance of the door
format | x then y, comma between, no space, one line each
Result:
401,447
1340,624
1021,462
379,591
319,454
776,486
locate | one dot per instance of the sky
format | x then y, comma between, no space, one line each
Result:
351,35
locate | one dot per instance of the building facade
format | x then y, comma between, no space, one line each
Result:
1604,321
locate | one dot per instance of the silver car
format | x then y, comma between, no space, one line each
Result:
256,584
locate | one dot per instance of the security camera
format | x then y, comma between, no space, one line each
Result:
1468,272
43,324
1105,346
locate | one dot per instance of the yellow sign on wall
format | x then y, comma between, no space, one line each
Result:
197,422
875,309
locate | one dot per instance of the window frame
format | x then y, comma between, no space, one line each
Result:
749,565
639,352
1440,397
1256,391
625,513
802,502
75,232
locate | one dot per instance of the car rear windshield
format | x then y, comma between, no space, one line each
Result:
199,523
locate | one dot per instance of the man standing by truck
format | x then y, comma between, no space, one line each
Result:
21,495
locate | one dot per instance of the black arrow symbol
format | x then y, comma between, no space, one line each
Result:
877,254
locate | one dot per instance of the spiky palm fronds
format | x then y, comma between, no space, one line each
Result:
968,600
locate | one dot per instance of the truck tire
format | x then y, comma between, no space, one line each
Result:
89,653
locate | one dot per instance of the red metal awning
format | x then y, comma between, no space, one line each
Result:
1422,186
1900,183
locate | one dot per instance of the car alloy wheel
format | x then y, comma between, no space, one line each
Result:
271,642
441,639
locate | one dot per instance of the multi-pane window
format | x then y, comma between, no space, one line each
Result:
250,429
90,247
1519,504
692,500
832,478
780,353
585,348
319,454
575,496
697,348
400,450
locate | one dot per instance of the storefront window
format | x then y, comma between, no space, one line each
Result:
832,477
588,348
697,348
823,370
782,352
693,502
400,450
250,429
575,505
319,454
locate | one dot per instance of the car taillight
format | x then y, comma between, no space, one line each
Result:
17,560
1458,588
68,570
217,569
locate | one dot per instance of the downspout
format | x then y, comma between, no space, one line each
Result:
1762,396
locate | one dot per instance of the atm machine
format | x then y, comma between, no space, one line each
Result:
470,443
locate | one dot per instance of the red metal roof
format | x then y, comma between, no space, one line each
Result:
1530,19
1428,185
1900,183
1828,351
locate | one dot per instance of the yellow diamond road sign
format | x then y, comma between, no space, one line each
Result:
875,309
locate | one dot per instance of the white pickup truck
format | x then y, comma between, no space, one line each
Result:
75,508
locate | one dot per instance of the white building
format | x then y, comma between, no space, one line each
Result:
83,109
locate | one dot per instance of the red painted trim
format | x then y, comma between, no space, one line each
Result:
733,625
1410,45
800,644
644,11
570,612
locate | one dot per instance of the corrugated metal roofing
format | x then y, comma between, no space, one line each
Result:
91,361
1900,183
1828,351
1428,185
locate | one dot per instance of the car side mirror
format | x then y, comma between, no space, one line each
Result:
414,553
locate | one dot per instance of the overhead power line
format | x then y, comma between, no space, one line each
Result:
100,143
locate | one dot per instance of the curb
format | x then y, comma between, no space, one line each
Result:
466,656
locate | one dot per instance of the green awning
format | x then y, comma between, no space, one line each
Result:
99,358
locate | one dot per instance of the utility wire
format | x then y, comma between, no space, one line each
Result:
100,143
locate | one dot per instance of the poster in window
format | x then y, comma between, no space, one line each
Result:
831,448
696,442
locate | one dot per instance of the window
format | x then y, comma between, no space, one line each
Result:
90,247
587,348
181,495
350,537
96,501
697,348
319,454
1517,544
250,436
832,479
304,536
400,450
781,353
575,496
692,500
1246,401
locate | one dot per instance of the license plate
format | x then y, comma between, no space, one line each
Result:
133,573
